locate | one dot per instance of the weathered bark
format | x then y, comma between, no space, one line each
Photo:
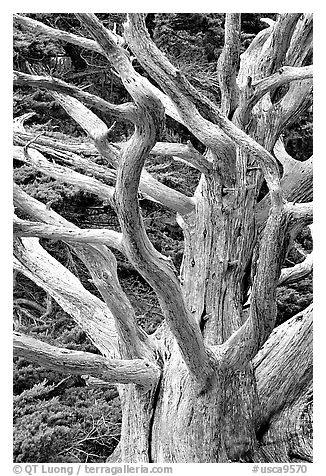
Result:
74,362
215,383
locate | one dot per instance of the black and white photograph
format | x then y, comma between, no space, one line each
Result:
162,239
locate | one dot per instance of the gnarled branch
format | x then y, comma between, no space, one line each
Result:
218,135
178,89
125,112
283,76
151,187
102,266
137,371
283,366
88,311
64,174
297,272
90,236
153,266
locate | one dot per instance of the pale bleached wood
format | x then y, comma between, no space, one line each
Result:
283,76
64,174
93,46
284,364
289,436
296,182
88,311
216,136
170,198
178,89
224,215
284,371
228,63
185,152
296,272
123,112
153,266
141,372
133,343
96,236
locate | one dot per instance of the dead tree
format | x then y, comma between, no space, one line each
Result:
213,383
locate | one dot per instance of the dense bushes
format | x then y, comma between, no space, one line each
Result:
80,425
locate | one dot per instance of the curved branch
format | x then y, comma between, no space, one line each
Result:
180,91
151,187
88,311
93,46
283,76
125,112
283,366
186,152
297,272
101,264
74,362
210,134
296,182
64,174
95,236
152,265
284,157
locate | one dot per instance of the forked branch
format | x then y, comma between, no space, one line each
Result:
155,268
124,112
151,187
102,267
88,311
218,136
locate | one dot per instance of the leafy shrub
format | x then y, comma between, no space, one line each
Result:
79,425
